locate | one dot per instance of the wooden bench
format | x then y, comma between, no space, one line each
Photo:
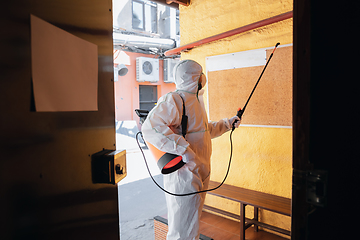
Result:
253,198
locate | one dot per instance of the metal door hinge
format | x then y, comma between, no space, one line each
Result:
316,187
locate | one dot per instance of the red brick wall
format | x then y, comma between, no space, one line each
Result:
160,228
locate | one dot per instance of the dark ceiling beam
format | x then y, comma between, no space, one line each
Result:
164,2
182,2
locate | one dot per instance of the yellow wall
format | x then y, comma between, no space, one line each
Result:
262,158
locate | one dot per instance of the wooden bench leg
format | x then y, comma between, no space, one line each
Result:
242,221
256,217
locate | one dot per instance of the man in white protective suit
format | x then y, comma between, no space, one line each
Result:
162,128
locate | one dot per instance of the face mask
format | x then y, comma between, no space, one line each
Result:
199,86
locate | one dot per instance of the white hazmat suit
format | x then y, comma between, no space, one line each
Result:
162,128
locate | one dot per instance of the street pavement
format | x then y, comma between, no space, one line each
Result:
140,200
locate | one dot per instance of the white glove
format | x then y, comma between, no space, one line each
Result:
233,119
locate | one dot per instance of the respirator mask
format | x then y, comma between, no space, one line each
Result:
202,81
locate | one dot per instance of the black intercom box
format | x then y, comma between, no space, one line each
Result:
108,166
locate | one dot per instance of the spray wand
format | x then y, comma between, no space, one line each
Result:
240,112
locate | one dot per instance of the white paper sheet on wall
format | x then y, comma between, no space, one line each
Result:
64,69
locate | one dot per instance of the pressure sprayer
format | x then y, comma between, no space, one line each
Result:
168,162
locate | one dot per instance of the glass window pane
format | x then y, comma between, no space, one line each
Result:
138,15
147,106
151,18
177,22
147,97
148,93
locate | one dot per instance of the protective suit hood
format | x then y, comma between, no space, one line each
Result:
187,74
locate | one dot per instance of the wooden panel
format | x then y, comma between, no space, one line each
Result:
271,103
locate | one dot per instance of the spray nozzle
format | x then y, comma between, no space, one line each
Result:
240,113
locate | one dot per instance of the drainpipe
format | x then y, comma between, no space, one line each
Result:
230,33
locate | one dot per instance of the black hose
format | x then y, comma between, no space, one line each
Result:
187,194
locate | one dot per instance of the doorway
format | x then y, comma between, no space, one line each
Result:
147,97
139,198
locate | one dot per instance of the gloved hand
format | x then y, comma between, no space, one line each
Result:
189,155
233,119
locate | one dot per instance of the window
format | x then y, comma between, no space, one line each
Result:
147,97
138,15
144,16
177,22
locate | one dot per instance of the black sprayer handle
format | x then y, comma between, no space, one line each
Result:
239,114
241,111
